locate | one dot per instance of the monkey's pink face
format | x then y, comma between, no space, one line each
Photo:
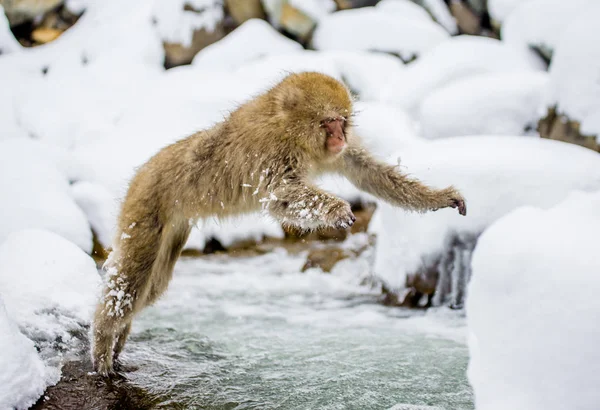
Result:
335,130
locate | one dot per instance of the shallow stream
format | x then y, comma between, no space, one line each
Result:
256,333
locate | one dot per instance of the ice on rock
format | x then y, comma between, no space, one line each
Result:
486,104
574,86
541,22
456,58
495,174
24,376
50,296
379,31
252,40
532,306
36,194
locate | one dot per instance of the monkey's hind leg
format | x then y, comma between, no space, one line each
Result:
137,281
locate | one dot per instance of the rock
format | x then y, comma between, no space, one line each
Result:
177,54
296,22
21,11
325,258
243,10
43,35
556,126
79,389
468,21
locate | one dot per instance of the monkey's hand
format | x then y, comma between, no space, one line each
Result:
450,197
339,215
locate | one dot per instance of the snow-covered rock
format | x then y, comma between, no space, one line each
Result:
130,37
441,13
456,58
531,309
495,174
404,9
574,85
541,23
251,41
486,104
371,28
175,24
24,376
36,194
51,296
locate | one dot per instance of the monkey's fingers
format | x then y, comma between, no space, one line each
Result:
461,205
346,223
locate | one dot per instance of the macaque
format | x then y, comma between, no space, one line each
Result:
263,156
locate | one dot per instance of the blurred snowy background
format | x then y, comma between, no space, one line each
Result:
496,310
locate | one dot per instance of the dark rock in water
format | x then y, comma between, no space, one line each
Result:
325,258
557,126
79,389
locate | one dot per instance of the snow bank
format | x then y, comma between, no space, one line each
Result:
541,22
35,194
441,13
252,40
50,288
24,376
456,58
378,31
495,174
532,306
486,104
574,84
100,206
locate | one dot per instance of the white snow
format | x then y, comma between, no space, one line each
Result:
495,174
404,9
541,22
500,9
456,58
441,13
574,79
365,72
176,25
8,42
49,286
100,207
24,376
371,28
251,41
532,306
36,194
486,104
315,9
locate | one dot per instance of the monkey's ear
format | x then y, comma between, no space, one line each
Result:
289,99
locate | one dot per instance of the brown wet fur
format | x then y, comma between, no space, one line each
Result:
262,156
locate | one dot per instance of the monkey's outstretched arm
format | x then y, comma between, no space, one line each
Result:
301,204
386,182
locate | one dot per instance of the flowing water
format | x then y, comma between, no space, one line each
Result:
256,333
